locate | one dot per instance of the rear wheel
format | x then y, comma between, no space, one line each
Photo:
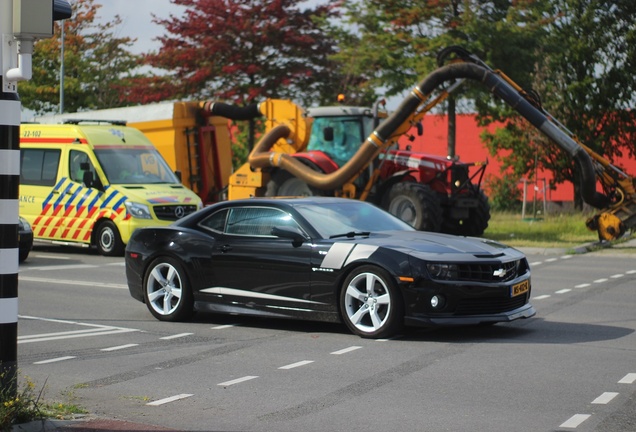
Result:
370,303
283,183
108,240
166,291
476,222
416,204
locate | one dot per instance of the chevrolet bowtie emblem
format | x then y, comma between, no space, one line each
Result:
500,273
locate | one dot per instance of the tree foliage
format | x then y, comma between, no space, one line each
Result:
242,51
96,64
584,74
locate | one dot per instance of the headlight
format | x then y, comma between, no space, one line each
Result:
443,271
139,211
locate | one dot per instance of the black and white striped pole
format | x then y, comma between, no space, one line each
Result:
21,22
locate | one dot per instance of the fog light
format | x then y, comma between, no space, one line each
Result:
437,302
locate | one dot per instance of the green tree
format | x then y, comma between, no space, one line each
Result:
242,51
97,65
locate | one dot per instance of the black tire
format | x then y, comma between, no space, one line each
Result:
416,204
108,240
370,303
475,224
283,183
23,255
167,292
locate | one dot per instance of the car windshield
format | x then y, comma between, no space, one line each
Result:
337,218
140,165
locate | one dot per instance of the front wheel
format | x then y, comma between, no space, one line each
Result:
370,303
108,240
166,291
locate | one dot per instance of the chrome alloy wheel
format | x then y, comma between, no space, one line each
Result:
164,289
367,302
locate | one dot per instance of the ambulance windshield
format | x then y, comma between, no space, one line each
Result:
135,165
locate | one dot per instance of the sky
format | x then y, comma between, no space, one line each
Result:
137,22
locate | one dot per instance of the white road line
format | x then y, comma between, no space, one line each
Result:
93,333
55,360
630,378
176,336
601,280
551,259
536,263
616,276
73,282
65,267
222,327
563,291
583,285
605,398
238,380
630,272
541,297
115,348
297,364
57,257
575,420
566,256
346,350
169,399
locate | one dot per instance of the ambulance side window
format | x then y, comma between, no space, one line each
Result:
39,167
79,163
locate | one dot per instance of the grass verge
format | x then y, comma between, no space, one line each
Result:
552,231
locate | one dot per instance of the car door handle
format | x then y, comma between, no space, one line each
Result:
225,248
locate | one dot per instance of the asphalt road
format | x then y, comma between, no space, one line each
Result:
571,368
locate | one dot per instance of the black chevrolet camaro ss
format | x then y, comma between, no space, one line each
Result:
324,259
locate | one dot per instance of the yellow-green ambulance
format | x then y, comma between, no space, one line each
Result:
94,184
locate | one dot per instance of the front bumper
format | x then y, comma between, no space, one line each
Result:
526,311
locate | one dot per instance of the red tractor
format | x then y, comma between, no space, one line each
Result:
332,151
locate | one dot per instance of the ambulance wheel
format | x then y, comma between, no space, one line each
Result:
108,240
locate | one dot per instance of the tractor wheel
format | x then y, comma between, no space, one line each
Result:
416,204
283,183
475,224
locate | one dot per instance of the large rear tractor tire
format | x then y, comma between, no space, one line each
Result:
416,204
475,224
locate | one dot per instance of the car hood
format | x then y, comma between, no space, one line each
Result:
435,246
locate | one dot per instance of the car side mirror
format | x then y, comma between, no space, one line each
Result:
289,232
327,133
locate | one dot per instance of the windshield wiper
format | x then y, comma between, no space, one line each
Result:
351,234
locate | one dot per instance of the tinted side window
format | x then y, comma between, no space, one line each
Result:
216,222
256,221
39,167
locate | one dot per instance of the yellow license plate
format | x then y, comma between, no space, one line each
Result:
520,288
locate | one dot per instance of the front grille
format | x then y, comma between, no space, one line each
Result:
489,305
498,272
173,212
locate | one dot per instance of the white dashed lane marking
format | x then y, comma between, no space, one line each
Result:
605,398
120,347
630,378
346,350
53,360
237,381
180,335
169,399
297,364
575,420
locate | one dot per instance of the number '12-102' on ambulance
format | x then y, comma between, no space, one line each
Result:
94,184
